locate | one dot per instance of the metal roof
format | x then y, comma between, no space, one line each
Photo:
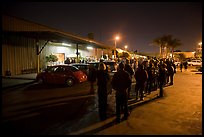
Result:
54,36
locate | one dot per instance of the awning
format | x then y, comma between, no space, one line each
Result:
56,36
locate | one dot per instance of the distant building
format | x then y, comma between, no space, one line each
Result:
186,54
198,51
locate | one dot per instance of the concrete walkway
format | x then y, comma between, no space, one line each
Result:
179,112
136,124
17,80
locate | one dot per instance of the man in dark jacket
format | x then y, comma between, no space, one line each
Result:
141,76
129,69
102,80
161,78
92,78
120,82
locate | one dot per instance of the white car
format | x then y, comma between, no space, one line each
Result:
195,63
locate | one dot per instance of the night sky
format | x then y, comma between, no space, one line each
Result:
136,23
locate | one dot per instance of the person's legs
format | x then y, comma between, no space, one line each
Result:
161,89
171,79
128,92
136,90
91,87
125,106
142,86
118,106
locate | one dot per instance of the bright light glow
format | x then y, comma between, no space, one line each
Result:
65,44
59,49
117,37
89,47
126,47
200,43
120,50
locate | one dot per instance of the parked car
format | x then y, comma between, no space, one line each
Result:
195,63
81,66
200,69
61,74
177,63
112,66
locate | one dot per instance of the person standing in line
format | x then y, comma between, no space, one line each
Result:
129,69
92,77
172,71
185,64
102,80
141,76
150,78
120,82
161,78
181,66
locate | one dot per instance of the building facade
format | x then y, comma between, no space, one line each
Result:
26,44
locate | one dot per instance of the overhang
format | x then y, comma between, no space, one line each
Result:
58,37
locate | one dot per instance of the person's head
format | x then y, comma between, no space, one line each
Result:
102,66
121,66
127,61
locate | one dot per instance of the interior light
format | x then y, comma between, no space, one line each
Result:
65,44
89,47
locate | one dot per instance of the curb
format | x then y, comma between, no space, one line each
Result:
13,86
9,77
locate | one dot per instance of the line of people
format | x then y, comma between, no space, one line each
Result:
149,75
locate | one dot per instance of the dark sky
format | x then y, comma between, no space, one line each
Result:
137,23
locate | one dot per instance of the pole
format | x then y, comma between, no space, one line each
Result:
77,52
115,51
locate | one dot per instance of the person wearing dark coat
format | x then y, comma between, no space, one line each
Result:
141,76
161,78
185,64
92,77
120,82
150,72
129,69
102,80
171,72
181,66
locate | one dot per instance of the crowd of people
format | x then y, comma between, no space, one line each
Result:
149,75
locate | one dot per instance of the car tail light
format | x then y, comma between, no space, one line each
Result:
81,76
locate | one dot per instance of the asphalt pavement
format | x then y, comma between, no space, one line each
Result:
169,115
134,125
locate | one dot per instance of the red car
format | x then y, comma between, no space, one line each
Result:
61,74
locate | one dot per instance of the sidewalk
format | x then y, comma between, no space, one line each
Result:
108,126
17,80
137,123
110,122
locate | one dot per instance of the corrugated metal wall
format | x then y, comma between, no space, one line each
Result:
17,58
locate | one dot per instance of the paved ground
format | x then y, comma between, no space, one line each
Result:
179,112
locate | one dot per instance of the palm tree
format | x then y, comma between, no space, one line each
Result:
161,42
173,44
166,41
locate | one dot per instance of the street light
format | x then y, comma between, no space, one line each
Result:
126,47
116,38
200,43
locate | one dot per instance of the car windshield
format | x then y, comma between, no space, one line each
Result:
73,68
50,69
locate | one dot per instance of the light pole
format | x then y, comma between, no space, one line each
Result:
116,38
